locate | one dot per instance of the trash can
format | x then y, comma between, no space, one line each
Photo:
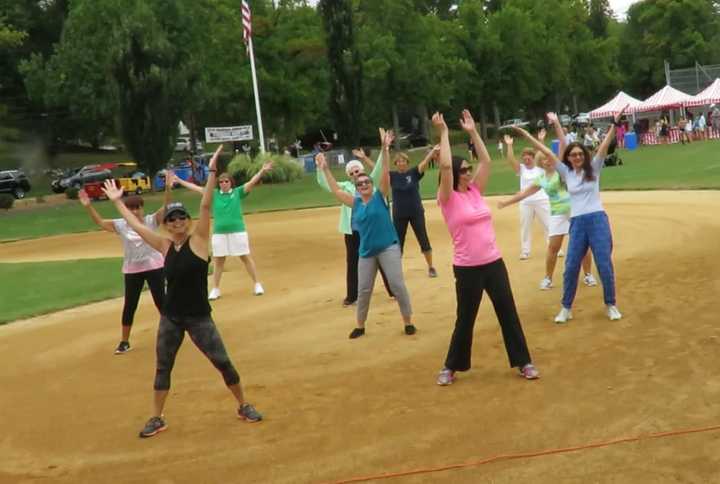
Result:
309,162
631,141
555,147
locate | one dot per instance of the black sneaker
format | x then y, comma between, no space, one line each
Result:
123,348
247,412
432,272
153,426
410,329
347,302
357,332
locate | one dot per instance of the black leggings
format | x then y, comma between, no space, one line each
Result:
133,287
204,334
352,256
470,282
417,222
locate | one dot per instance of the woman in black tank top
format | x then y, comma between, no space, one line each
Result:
186,306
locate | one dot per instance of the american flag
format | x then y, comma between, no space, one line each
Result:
247,22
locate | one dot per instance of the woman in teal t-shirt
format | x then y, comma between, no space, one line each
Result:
229,235
559,218
378,240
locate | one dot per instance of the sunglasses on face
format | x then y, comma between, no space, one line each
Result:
576,154
362,183
355,173
174,218
224,181
464,170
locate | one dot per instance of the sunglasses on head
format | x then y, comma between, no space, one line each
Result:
362,183
465,170
173,218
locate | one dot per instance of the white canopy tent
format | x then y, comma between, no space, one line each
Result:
709,95
612,107
665,99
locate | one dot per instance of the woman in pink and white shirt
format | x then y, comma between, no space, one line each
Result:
477,262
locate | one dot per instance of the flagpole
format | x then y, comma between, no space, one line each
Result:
257,95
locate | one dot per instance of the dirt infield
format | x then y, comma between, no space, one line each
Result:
335,409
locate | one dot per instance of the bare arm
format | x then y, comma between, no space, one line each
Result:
154,240
555,121
202,227
343,196
537,144
422,166
510,157
160,214
250,184
531,190
482,172
104,224
603,148
360,155
186,184
445,158
386,140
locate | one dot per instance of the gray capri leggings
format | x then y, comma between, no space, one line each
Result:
391,261
204,334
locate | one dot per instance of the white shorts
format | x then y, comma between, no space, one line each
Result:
559,225
236,243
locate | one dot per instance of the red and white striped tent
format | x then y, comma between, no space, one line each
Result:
666,98
709,95
612,107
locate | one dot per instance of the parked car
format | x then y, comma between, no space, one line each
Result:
125,175
184,143
565,119
411,140
582,119
514,122
15,182
78,179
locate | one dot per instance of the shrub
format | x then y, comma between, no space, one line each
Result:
6,201
72,193
285,169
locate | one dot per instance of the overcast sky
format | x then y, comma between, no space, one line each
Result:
620,7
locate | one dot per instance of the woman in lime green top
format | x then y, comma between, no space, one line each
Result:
559,224
229,235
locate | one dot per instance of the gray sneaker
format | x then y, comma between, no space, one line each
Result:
153,427
247,412
445,377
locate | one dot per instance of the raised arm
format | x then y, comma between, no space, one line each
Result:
154,240
160,214
555,121
537,144
603,148
482,172
387,138
510,156
445,158
184,183
103,223
422,166
202,227
531,190
359,153
250,184
340,194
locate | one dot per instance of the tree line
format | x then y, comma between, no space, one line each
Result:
131,69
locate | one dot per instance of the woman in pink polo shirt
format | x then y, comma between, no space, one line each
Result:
477,262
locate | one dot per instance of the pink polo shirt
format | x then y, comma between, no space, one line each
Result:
469,221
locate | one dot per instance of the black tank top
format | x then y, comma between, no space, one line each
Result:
186,274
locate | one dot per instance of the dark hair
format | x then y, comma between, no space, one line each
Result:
587,168
456,164
134,201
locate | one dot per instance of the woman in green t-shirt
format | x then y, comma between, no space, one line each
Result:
229,235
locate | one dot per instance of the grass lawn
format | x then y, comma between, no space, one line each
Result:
695,166
42,287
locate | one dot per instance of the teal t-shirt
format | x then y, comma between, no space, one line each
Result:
227,211
374,224
556,192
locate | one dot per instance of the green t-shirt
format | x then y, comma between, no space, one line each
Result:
556,192
227,211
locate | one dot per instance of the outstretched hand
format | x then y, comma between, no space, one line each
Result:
112,191
552,117
358,153
83,198
619,115
320,161
467,122
267,166
170,178
438,122
541,134
502,204
386,138
508,140
213,161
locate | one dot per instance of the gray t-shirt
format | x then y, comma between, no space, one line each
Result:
138,255
584,195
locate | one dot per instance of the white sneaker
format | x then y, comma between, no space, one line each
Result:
524,256
259,291
561,253
613,313
563,316
545,284
214,294
589,280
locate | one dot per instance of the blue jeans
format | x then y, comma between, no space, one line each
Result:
589,230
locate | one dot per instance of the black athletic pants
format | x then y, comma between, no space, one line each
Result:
133,287
352,256
417,222
470,283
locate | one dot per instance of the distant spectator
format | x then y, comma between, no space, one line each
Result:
700,126
715,118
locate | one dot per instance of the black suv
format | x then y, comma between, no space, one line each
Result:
88,173
15,182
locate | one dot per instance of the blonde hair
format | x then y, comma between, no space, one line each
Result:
528,151
403,156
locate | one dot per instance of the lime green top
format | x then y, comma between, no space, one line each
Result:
227,211
556,192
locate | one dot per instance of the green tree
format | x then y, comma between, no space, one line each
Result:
599,17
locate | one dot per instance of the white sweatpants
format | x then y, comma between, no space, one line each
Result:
528,212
